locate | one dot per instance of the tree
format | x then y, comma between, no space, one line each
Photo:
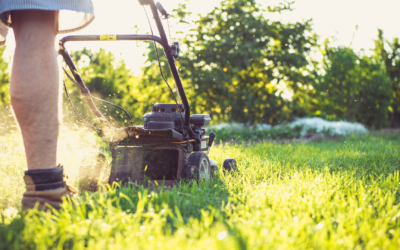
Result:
106,79
234,59
353,88
390,59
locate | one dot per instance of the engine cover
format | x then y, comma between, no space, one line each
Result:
166,115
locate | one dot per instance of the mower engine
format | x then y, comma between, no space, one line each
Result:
159,153
170,116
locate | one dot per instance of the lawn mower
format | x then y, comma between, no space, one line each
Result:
170,146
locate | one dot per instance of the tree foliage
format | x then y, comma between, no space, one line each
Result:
353,88
4,80
6,119
389,55
235,63
240,66
107,79
234,59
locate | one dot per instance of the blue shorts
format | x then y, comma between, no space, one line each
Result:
74,14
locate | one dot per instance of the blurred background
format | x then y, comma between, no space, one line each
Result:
250,62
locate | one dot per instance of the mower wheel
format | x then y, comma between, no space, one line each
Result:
214,168
230,165
198,167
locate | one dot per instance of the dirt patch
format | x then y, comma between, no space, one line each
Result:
388,131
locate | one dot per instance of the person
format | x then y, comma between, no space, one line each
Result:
34,87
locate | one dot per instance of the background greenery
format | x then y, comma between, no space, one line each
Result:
235,64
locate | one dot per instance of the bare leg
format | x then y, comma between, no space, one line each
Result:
34,87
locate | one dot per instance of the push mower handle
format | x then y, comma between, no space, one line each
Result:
161,40
171,61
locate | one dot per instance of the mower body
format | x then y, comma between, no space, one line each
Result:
157,152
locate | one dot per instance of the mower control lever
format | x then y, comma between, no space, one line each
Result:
162,10
211,139
175,50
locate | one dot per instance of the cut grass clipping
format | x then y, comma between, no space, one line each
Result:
340,194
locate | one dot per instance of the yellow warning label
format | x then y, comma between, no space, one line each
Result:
108,37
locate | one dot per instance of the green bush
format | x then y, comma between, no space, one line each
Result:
354,88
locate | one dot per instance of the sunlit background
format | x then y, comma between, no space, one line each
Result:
329,67
336,19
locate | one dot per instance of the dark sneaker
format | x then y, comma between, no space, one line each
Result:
45,187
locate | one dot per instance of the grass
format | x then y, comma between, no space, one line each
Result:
340,194
249,134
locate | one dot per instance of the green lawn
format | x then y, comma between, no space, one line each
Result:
340,194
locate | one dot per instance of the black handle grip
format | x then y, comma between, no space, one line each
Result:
211,139
161,9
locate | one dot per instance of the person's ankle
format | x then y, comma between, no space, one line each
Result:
45,187
44,179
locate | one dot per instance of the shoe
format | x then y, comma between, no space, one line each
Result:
46,187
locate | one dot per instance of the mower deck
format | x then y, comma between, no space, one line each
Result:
143,163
